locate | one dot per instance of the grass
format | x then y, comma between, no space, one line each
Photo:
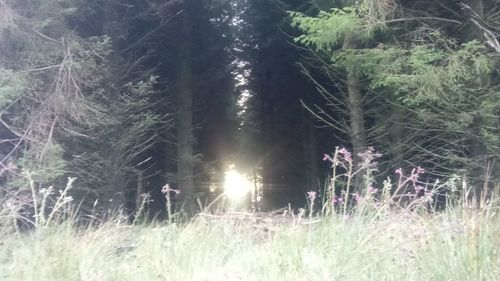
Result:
457,244
389,235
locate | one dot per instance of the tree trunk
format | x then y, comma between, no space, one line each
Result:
356,120
185,136
397,134
311,154
357,129
478,151
356,123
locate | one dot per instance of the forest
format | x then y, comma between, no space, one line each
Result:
249,116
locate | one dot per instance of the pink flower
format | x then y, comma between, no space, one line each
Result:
166,189
369,155
357,197
372,189
415,173
337,200
327,157
346,154
420,170
311,195
418,188
399,171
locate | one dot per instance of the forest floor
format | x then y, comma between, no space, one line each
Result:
459,244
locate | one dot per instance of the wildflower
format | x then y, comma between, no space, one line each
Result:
326,157
418,188
357,197
399,171
420,170
415,173
369,155
166,189
311,195
372,189
346,154
337,200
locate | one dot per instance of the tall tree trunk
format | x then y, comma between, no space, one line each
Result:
397,134
356,122
118,185
311,153
478,151
185,136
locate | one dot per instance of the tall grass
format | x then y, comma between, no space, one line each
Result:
350,236
457,244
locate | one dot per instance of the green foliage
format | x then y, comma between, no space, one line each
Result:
44,166
449,88
424,73
329,29
60,98
12,86
442,89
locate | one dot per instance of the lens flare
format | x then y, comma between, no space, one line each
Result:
236,185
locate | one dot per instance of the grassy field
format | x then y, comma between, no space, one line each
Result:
459,244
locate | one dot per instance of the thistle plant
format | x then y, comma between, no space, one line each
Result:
407,191
342,158
166,190
311,197
61,206
145,198
45,200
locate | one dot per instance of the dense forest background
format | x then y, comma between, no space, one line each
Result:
130,95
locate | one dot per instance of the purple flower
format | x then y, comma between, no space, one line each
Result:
415,173
166,189
369,155
372,189
418,188
337,200
420,170
399,171
346,154
357,197
311,195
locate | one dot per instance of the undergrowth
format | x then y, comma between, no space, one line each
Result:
351,235
456,244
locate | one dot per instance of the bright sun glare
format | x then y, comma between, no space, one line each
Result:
236,185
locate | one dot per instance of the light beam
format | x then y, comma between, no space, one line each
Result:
236,185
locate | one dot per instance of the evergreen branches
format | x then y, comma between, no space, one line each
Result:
443,89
